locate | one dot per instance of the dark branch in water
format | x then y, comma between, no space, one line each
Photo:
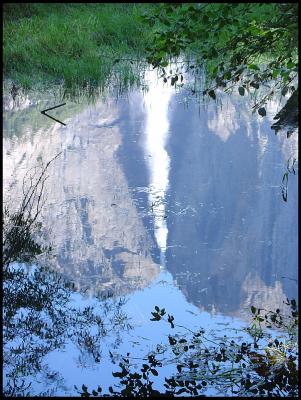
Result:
288,116
227,366
19,226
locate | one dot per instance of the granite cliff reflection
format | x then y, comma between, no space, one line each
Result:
236,236
231,240
99,239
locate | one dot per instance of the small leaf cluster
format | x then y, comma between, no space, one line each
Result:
228,366
244,45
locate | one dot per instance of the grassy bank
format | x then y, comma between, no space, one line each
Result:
76,45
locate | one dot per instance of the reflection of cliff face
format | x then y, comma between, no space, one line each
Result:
99,240
227,219
258,294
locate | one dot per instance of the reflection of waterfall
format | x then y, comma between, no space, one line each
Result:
156,102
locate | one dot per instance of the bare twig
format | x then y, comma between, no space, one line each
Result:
17,237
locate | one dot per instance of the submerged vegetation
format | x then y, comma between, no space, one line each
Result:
264,366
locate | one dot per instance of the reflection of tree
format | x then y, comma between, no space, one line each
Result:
216,364
21,227
38,318
38,315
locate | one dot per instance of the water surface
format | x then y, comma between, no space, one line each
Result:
161,204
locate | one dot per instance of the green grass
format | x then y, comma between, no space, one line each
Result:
73,44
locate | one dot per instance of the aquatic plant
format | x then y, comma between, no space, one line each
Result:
226,366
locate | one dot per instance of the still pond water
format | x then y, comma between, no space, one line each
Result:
158,202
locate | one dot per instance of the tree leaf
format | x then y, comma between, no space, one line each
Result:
212,94
284,91
254,67
179,368
117,374
241,90
180,391
172,340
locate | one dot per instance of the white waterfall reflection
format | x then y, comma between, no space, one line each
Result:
157,99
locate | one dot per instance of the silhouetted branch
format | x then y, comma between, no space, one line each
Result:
18,227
